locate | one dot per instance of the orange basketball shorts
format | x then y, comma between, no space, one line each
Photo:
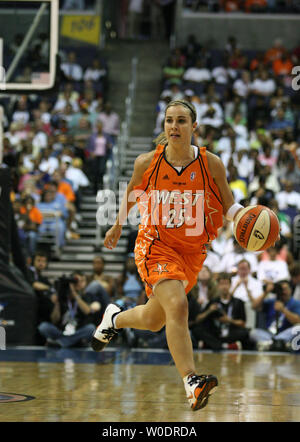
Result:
157,262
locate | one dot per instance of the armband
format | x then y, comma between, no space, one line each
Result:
232,211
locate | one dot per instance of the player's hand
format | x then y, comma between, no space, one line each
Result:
112,237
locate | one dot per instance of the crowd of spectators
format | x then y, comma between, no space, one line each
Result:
248,114
248,6
55,146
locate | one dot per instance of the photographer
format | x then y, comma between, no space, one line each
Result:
45,292
222,324
281,314
73,314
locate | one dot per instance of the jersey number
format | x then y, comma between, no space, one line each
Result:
179,219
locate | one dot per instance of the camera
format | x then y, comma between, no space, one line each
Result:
63,286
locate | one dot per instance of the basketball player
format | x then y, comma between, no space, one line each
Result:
182,193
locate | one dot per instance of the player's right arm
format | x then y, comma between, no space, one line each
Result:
141,164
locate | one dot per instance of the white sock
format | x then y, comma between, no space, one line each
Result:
114,321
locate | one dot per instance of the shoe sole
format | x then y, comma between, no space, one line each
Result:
202,399
97,345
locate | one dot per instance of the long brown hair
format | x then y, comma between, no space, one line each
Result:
161,138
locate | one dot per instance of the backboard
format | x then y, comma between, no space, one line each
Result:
28,45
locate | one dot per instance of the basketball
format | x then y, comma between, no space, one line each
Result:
256,228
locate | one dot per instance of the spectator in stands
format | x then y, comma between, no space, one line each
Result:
279,122
247,288
44,290
55,221
172,73
237,185
30,218
74,173
197,73
241,86
96,72
267,157
22,113
210,113
223,243
71,69
73,315
283,65
221,324
288,198
191,49
230,260
98,146
237,60
256,6
263,85
110,121
48,162
281,314
129,285
65,188
223,74
271,181
100,277
206,287
263,195
295,282
82,132
273,269
274,52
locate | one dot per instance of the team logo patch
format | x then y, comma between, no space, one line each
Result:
11,397
161,268
193,175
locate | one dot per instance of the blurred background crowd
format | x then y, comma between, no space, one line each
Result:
248,112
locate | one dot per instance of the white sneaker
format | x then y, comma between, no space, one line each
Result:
199,388
263,345
105,330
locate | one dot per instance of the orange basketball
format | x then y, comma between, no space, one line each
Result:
256,228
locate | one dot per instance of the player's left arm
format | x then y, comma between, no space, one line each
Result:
218,172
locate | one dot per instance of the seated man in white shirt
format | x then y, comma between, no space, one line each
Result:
229,261
197,73
272,270
72,70
288,198
247,288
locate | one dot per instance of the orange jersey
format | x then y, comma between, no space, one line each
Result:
181,209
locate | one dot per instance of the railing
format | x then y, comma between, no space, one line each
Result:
116,166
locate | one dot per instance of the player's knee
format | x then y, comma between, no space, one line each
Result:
178,308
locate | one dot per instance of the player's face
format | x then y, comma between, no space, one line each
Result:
178,125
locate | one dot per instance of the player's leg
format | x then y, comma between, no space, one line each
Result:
172,297
150,316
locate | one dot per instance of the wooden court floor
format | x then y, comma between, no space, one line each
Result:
138,386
